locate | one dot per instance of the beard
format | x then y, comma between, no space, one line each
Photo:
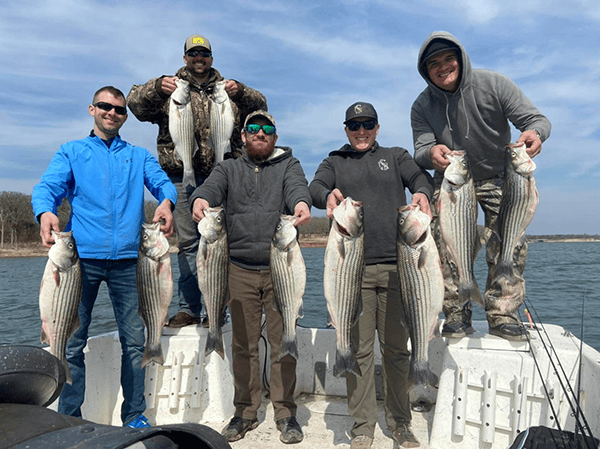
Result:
259,154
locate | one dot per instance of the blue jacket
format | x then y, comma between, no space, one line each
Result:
105,187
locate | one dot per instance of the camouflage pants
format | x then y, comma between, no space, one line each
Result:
502,299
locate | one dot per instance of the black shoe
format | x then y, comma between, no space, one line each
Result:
182,319
237,428
509,331
457,329
290,430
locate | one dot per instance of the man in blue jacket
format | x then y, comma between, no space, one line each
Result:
103,177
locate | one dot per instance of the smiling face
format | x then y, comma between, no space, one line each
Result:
444,70
199,65
259,146
362,139
107,123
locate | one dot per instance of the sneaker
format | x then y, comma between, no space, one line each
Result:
182,319
138,423
457,329
237,428
404,437
509,331
290,430
361,442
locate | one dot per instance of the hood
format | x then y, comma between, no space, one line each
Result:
463,59
278,154
347,148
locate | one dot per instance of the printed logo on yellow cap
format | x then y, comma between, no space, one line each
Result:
197,40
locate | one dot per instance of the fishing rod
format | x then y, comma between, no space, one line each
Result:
576,412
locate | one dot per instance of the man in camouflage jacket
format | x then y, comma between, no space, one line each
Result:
150,103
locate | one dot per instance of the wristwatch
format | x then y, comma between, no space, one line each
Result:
538,134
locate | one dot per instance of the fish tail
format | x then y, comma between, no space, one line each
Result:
188,178
469,292
153,354
67,371
345,363
506,270
289,346
423,389
214,342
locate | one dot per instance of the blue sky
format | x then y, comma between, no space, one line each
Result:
311,60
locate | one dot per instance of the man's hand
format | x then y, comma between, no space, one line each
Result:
48,223
164,215
532,142
168,84
421,200
438,157
198,209
302,211
231,88
333,200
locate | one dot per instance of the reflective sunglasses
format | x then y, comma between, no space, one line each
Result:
121,110
368,125
254,129
194,53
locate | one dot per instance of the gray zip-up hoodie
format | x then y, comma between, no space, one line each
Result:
254,195
475,118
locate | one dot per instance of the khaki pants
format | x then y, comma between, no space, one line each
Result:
381,311
250,291
502,300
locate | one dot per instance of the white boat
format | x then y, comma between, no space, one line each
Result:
490,389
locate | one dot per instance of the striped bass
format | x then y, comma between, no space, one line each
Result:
517,207
422,286
221,121
212,263
457,211
288,273
155,288
181,128
60,295
342,280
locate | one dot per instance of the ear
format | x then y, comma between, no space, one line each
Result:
91,109
243,136
377,129
275,139
185,59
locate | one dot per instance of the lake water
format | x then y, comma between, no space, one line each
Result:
559,277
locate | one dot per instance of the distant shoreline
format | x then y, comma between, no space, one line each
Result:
37,250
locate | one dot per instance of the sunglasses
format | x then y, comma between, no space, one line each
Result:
194,53
121,110
368,125
254,129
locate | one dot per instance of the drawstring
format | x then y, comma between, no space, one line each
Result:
462,98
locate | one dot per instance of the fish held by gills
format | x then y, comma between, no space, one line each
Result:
181,129
60,295
288,273
517,207
457,214
212,263
155,288
342,279
221,121
422,287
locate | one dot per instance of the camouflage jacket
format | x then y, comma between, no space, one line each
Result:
150,104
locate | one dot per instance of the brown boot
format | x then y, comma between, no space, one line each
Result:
182,319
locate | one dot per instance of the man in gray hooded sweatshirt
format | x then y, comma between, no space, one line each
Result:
471,110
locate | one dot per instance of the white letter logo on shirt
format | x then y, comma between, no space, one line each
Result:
383,165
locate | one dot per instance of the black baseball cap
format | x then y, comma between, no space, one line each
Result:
360,109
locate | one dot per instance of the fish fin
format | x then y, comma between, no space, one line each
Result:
469,292
43,337
153,354
506,270
341,249
424,384
300,311
188,178
214,342
56,277
345,362
289,346
275,305
68,377
422,258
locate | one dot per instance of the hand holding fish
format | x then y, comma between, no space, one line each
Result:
421,200
438,157
333,201
164,215
302,211
532,142
198,209
231,87
48,223
168,84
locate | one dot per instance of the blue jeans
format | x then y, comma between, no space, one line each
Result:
190,298
119,276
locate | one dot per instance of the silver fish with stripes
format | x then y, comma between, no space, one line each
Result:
60,295
181,129
422,287
457,212
212,264
221,121
288,273
342,279
155,288
517,207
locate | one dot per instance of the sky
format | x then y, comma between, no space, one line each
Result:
311,60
